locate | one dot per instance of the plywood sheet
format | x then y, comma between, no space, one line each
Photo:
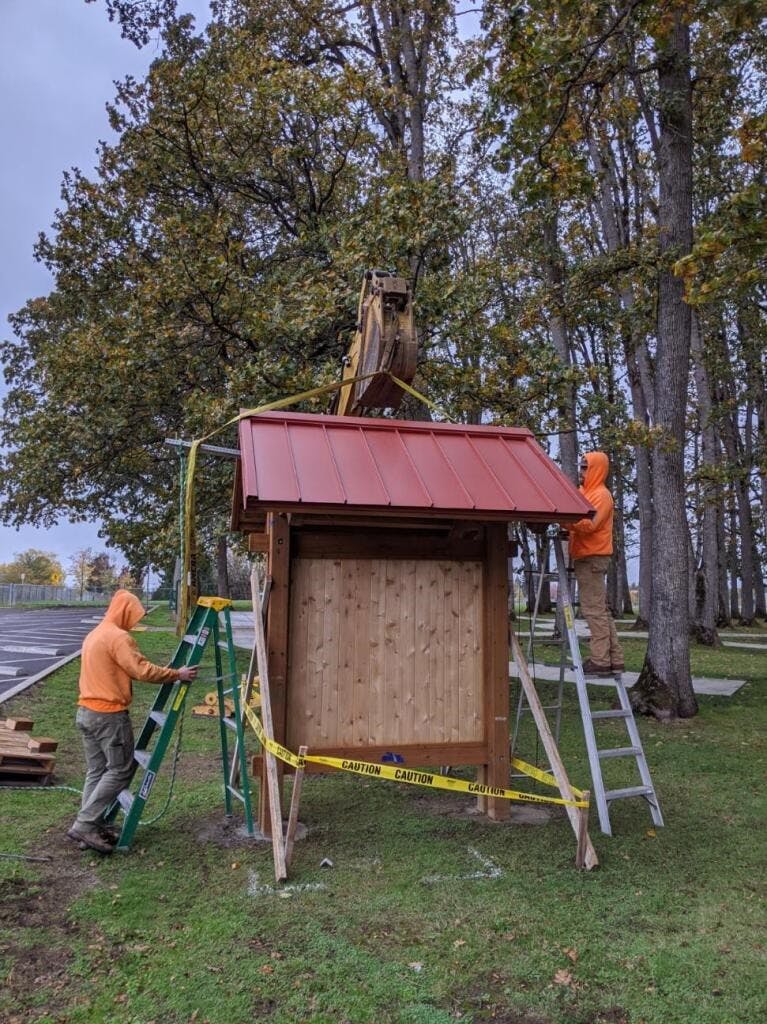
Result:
384,652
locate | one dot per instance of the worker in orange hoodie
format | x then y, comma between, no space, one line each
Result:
591,546
110,660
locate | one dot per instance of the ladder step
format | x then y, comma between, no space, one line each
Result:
622,794
190,638
125,799
159,717
618,713
143,757
620,752
230,723
223,645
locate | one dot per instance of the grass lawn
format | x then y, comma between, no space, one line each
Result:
429,914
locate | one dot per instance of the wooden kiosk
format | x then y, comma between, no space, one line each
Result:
386,540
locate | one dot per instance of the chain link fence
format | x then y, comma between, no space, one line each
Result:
12,594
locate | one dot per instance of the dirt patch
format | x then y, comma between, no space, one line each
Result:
43,967
39,910
444,806
199,767
615,1015
230,833
65,875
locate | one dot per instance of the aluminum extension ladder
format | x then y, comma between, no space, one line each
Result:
523,707
604,797
166,712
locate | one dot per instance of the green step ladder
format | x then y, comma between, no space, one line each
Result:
166,713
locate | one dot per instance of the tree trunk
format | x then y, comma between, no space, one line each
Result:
639,373
732,558
707,573
723,619
222,567
664,688
568,439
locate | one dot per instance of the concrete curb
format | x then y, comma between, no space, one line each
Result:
31,680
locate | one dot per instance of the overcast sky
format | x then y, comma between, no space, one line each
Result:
58,62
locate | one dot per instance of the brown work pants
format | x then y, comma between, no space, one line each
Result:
590,574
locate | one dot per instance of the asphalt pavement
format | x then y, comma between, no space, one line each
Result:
33,643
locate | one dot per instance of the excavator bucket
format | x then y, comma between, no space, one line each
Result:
385,343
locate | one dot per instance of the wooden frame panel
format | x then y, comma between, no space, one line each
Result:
384,653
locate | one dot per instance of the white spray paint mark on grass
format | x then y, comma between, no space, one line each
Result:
492,870
284,891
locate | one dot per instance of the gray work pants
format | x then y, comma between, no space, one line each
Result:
108,744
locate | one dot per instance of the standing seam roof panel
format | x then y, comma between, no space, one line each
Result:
508,462
395,468
439,477
314,464
357,470
294,459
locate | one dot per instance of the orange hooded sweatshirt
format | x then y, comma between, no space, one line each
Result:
594,536
111,659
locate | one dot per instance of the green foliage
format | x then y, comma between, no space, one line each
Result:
32,566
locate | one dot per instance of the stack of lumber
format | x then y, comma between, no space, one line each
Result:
25,758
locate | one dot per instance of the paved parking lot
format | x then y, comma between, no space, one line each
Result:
33,642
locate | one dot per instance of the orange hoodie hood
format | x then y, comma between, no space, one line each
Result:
598,466
110,659
124,610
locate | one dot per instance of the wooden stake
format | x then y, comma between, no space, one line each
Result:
583,833
272,778
298,781
590,859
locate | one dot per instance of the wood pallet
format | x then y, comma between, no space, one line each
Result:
25,759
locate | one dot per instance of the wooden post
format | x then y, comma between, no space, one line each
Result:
270,761
495,661
590,859
583,833
278,568
298,781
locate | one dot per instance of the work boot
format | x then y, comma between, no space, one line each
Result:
590,668
110,834
90,837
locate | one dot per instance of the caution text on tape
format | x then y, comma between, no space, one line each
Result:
418,778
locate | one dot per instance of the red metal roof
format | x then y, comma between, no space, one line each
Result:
306,462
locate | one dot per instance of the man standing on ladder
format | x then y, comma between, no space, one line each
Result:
110,661
591,547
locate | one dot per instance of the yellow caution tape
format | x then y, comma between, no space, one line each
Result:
414,777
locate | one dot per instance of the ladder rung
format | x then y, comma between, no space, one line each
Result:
125,799
223,645
190,638
615,713
237,793
230,723
620,752
622,794
143,757
159,717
